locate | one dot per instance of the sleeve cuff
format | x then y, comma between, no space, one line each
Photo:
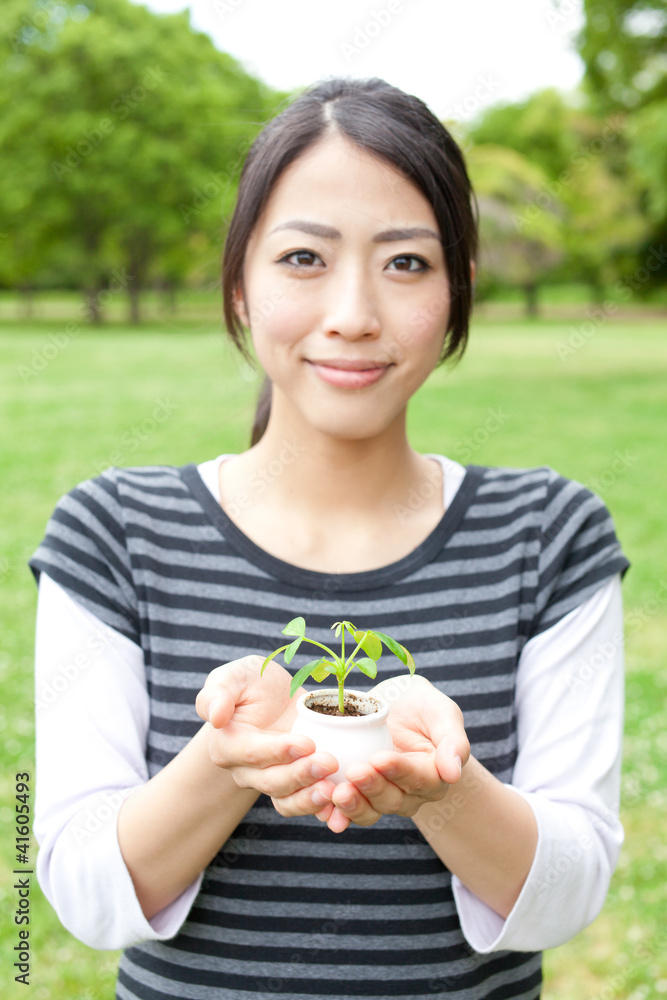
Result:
84,877
563,892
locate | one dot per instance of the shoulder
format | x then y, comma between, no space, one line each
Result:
114,483
554,498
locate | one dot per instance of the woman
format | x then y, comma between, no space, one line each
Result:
226,863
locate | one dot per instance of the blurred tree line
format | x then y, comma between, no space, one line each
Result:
575,191
122,134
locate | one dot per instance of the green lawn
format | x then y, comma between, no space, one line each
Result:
174,393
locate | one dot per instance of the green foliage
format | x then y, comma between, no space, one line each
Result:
623,44
559,199
122,133
336,666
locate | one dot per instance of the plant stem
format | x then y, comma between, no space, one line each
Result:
341,693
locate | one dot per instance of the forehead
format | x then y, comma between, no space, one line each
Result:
337,177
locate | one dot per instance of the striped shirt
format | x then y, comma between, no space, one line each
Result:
287,907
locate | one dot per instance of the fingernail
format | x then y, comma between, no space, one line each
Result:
457,761
319,770
296,752
211,707
319,798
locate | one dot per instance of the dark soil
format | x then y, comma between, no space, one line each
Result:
353,706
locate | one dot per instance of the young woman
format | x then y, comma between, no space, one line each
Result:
177,817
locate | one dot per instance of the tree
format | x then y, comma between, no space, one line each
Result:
586,183
122,133
622,44
518,245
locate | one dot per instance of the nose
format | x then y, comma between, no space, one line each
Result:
350,307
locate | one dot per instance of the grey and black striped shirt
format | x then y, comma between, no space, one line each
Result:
287,907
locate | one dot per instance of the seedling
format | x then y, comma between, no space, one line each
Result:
370,641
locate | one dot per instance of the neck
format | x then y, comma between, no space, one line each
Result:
338,477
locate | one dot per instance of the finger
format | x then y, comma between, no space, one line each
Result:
415,774
353,805
306,801
450,758
224,687
388,797
337,821
238,745
282,781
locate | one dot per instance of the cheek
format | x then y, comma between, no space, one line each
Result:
276,320
425,324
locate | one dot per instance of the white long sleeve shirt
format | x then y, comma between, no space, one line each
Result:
93,716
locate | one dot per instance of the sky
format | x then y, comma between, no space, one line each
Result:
460,56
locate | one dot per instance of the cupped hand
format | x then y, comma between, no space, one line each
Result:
250,718
431,748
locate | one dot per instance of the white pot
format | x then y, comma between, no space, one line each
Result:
352,739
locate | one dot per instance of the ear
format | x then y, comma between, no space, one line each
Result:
239,305
473,272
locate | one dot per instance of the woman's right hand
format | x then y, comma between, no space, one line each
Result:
250,719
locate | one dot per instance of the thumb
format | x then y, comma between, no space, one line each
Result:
443,721
224,688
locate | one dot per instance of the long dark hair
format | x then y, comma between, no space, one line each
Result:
392,125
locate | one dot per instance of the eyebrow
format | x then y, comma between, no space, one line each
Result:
329,233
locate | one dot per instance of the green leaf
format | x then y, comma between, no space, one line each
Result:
271,657
369,643
292,648
296,627
303,674
367,666
409,661
319,673
395,647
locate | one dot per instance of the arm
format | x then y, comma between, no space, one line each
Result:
569,700
120,855
531,861
90,688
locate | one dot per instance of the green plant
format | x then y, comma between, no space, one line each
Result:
368,640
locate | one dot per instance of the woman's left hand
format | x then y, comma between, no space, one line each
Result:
431,749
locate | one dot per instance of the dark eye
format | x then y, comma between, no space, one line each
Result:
406,261
299,258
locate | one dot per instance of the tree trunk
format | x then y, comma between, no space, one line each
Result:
26,302
596,290
133,292
93,311
530,290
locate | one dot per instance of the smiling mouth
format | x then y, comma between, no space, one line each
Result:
349,365
353,375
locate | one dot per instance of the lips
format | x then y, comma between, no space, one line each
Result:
348,374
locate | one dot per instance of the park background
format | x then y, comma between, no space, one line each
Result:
122,133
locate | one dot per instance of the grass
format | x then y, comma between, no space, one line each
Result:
176,394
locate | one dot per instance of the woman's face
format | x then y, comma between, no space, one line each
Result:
345,269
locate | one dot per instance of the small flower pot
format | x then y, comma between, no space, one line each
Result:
352,739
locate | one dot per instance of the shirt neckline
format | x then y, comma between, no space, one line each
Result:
333,582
